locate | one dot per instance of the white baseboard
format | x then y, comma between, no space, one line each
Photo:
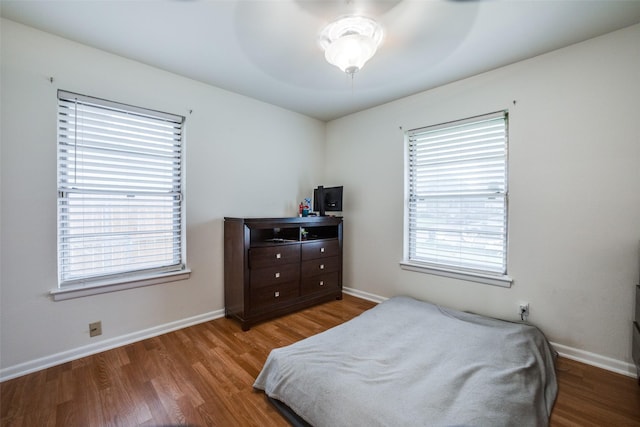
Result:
597,360
10,372
87,350
363,295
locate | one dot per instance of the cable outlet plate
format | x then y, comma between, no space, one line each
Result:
95,329
524,310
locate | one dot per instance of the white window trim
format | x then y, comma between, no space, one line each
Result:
113,285
501,280
133,279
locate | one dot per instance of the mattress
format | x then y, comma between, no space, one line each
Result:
410,362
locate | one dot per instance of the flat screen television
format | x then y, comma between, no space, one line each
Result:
327,199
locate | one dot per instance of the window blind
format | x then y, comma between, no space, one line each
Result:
457,188
120,204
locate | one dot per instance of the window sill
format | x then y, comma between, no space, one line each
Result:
95,288
502,280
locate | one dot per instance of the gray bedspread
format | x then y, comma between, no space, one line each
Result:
410,363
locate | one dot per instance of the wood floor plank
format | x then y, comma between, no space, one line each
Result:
203,376
590,396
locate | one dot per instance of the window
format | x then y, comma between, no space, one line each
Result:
457,199
120,195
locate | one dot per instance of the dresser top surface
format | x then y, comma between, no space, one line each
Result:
304,220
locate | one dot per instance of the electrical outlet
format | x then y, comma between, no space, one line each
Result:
95,329
524,311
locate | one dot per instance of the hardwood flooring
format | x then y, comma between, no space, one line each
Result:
203,376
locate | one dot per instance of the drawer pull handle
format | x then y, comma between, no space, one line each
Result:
321,266
277,275
321,282
278,256
276,294
321,250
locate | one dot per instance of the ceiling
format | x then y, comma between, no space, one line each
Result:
267,49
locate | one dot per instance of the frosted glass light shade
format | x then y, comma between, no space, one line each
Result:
350,42
350,52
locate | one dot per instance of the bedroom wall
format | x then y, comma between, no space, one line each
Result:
574,175
232,143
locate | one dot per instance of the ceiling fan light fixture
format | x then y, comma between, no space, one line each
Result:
350,42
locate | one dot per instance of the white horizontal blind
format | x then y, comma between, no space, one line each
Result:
457,213
120,205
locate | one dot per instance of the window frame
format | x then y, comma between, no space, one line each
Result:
468,274
108,182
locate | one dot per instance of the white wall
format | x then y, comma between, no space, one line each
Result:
574,177
232,144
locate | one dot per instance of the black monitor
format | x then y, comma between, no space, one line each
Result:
327,199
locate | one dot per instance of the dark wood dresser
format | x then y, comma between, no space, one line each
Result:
274,266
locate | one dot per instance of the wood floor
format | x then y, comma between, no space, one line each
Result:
203,376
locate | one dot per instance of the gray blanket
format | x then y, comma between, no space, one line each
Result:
410,363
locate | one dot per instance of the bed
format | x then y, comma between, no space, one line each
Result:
408,362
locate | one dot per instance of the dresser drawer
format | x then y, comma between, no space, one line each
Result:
314,267
273,275
320,283
269,256
320,249
275,294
